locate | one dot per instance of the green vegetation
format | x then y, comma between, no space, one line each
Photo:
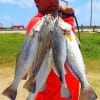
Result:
10,44
90,47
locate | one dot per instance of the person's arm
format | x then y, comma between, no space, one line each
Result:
66,9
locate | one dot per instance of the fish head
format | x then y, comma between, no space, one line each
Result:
46,28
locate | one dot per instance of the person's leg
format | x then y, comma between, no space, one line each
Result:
52,91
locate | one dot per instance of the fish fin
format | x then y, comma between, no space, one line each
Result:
30,72
77,40
88,94
10,93
54,69
30,85
67,36
65,92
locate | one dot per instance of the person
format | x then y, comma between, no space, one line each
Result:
50,6
52,91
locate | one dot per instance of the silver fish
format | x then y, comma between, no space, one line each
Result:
76,63
45,37
42,75
23,62
59,49
25,59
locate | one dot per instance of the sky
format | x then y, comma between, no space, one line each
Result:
19,12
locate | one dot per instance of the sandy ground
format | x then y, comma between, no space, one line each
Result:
6,77
13,31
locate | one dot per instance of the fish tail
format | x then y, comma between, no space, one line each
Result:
89,94
30,85
65,92
10,93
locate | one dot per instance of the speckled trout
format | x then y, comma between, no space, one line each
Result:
25,59
44,44
59,51
76,63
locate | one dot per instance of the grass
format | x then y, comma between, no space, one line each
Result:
10,45
90,47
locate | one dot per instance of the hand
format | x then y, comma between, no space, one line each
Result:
66,9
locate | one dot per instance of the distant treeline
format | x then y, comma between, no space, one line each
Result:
89,28
81,28
97,27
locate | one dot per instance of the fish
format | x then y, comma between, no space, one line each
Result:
76,63
59,51
23,62
45,37
42,75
